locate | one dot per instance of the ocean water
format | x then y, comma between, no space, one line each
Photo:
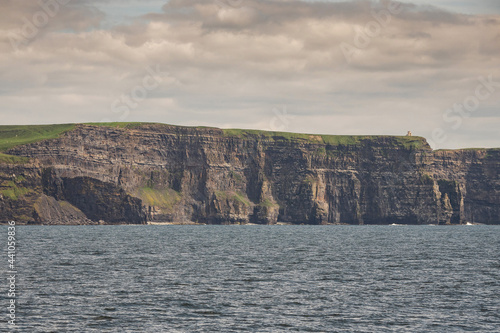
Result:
255,279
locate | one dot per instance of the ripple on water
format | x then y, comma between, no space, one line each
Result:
263,278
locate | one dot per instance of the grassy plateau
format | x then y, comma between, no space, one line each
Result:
15,135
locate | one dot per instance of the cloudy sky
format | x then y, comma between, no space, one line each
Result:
330,67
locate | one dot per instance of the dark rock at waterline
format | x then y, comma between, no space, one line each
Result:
155,172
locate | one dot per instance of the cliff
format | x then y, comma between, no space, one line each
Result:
134,173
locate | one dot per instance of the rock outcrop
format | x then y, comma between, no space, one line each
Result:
156,172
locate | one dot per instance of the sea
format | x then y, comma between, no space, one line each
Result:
195,278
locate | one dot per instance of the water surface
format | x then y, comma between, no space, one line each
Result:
257,278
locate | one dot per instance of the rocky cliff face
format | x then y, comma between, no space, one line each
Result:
155,172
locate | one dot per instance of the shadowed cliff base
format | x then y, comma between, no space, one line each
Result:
144,172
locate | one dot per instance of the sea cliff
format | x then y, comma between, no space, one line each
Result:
139,172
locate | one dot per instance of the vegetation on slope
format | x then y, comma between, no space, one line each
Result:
233,196
13,190
11,159
15,135
165,199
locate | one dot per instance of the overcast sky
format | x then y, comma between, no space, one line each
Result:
338,67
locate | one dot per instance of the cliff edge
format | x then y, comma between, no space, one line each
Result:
140,172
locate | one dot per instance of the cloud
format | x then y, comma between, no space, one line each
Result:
52,14
226,62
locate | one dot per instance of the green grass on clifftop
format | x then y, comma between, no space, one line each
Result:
15,135
119,124
334,140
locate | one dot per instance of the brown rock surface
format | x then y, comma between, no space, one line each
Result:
156,172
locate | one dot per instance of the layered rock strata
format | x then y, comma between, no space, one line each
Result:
156,172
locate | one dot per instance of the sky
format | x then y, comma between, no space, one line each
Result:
325,67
